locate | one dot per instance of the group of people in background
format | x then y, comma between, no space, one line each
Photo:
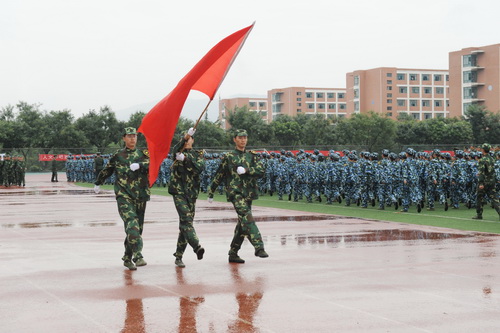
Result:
12,171
387,179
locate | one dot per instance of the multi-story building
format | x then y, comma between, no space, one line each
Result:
474,78
330,102
259,105
421,93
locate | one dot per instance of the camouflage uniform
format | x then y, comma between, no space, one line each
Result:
132,192
486,180
241,190
185,186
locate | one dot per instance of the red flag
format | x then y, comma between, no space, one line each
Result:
158,126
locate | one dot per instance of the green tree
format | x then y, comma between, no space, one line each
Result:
101,128
287,131
259,132
318,131
370,131
485,124
209,135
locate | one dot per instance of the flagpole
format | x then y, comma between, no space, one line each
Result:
206,108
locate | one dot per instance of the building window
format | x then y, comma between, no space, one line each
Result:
439,90
330,95
427,115
299,99
356,93
299,104
389,74
403,90
447,78
413,77
262,104
415,115
310,106
331,106
437,77
388,114
401,102
320,95
340,95
356,106
426,103
299,93
401,77
438,103
413,102
252,104
389,94
439,115
356,80
427,90
425,77
389,101
470,77
415,90
299,110
342,106
389,81
389,87
321,106
309,95
389,108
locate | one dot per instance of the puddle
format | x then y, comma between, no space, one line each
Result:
48,192
274,218
378,236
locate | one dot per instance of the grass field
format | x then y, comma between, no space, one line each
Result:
453,218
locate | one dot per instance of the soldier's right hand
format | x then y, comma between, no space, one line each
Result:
179,156
97,189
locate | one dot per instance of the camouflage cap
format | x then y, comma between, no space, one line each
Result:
129,130
241,132
486,146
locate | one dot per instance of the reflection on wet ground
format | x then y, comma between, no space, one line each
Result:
380,236
32,225
47,192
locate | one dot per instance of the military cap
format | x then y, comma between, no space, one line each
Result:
486,147
241,132
129,130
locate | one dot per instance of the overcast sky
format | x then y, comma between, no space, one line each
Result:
82,55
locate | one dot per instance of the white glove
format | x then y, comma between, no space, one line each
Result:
179,156
241,170
134,166
191,131
210,200
97,189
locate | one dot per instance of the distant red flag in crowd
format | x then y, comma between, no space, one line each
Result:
158,126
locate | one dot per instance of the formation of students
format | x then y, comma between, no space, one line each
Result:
399,180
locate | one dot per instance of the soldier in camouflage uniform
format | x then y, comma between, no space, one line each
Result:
184,187
240,169
131,167
486,183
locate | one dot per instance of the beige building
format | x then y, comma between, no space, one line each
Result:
474,78
421,93
259,105
330,102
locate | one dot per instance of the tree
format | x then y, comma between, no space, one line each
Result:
370,131
259,132
209,135
102,128
318,131
485,125
287,131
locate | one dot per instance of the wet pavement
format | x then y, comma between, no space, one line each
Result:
60,271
